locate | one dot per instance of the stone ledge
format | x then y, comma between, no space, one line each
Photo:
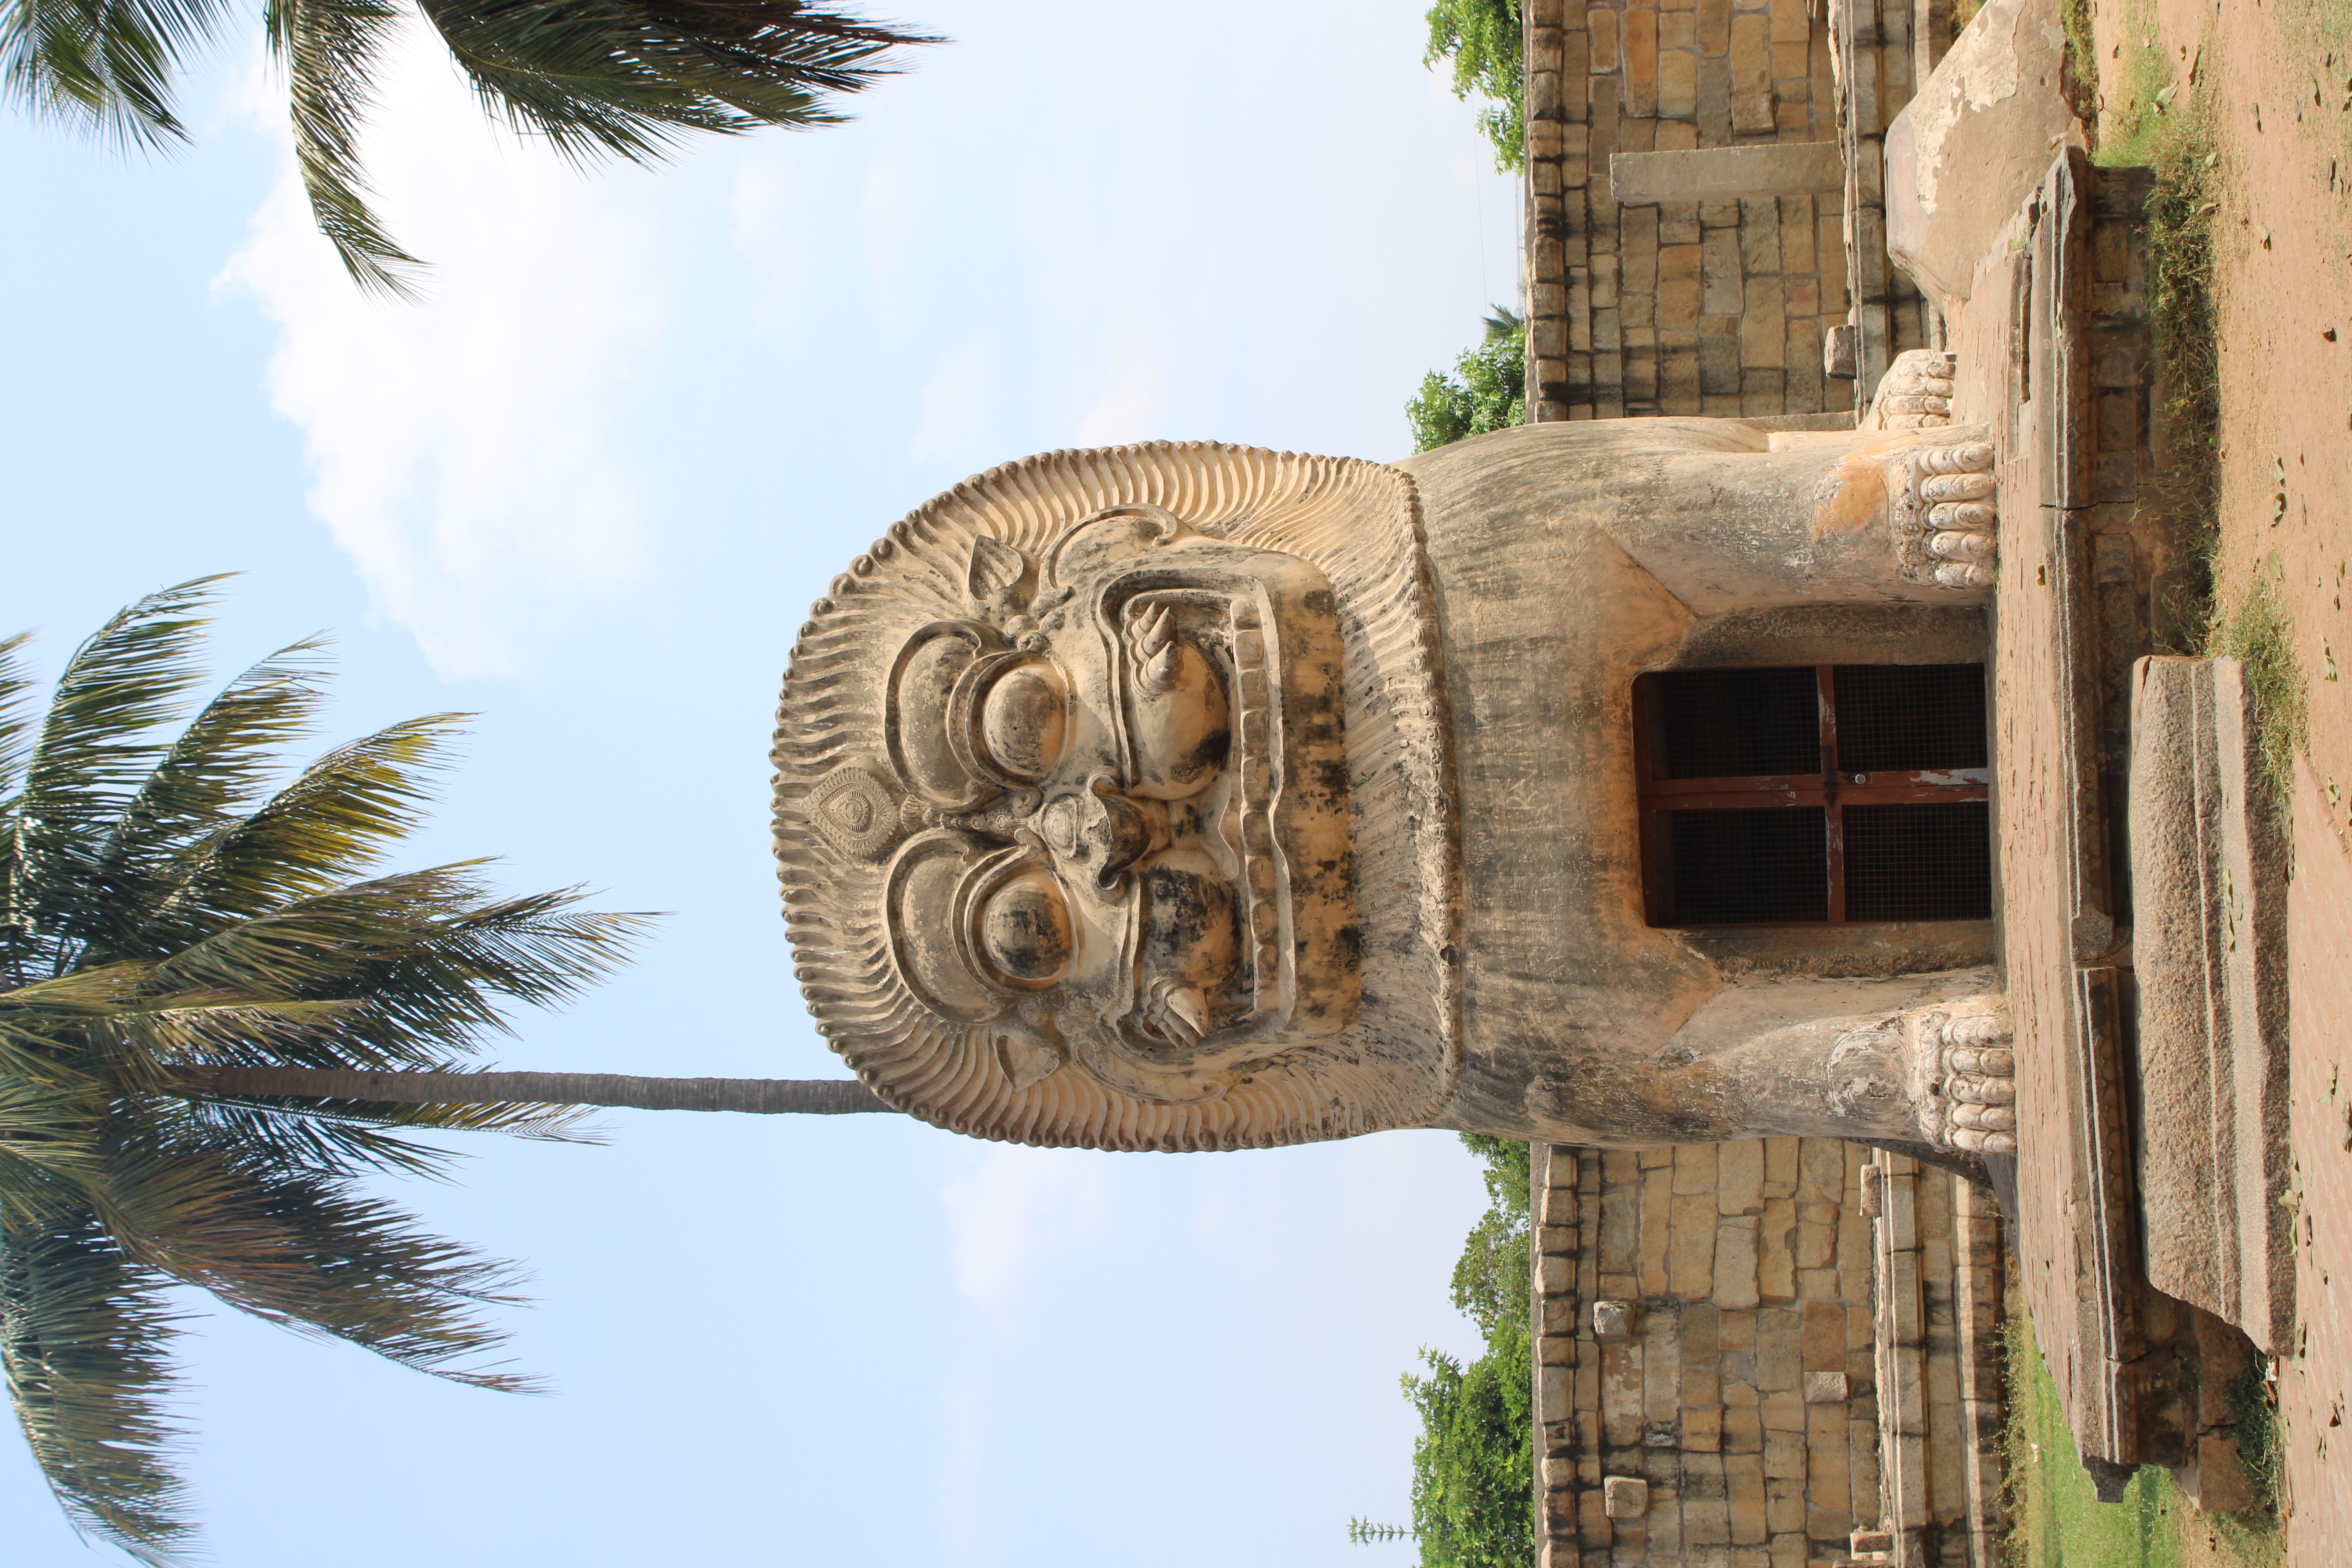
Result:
1714,174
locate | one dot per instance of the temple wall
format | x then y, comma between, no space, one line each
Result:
1642,303
1764,1311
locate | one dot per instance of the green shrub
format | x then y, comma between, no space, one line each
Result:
1482,37
1488,390
1473,1464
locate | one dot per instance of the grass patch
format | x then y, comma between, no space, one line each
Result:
2178,143
2079,82
2261,638
2056,1520
2261,1438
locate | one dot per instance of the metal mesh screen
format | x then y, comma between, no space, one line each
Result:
1919,862
1729,723
1902,717
1739,868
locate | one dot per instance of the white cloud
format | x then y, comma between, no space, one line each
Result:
1009,1216
1006,1213
889,205
462,449
762,204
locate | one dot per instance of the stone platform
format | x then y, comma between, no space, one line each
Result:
2052,353
2149,1122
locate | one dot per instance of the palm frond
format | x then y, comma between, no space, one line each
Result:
103,66
83,1334
95,745
631,78
329,50
305,1250
425,957
51,1143
345,1137
330,823
538,949
16,710
221,762
159,929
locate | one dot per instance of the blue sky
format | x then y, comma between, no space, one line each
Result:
587,492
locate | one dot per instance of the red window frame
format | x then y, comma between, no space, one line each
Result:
1828,789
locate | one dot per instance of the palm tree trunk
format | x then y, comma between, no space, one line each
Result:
760,1096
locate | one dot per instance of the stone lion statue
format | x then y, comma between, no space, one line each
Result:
1185,796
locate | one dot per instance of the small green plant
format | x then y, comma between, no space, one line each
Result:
1482,37
2260,637
1364,1532
2055,1519
1488,389
2080,79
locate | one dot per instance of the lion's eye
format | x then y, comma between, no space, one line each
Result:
1025,720
1026,929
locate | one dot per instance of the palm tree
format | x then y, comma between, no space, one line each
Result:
625,79
214,1022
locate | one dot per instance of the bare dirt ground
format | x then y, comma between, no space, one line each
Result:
2277,77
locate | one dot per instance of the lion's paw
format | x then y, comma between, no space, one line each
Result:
1915,393
1972,1102
1946,525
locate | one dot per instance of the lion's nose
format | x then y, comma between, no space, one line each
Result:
1123,829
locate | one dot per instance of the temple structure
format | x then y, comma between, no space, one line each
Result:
1747,801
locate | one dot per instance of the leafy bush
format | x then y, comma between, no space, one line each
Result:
1482,37
1488,390
1473,1464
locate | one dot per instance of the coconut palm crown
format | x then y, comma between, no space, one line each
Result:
595,78
216,1018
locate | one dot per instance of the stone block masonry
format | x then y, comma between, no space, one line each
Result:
1745,227
1698,1305
1750,1352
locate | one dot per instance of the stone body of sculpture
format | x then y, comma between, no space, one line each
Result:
1186,796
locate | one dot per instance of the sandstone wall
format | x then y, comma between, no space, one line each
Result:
1764,1311
1717,306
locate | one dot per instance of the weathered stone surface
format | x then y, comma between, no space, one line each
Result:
1777,1249
1734,1261
1624,1497
2210,899
1043,885
1740,1176
1965,153
1694,1169
1657,1213
1716,174
1690,1272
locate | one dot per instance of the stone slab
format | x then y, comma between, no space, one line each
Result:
1975,143
1721,173
2208,893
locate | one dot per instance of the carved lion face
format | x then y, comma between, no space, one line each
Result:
1071,812
1136,756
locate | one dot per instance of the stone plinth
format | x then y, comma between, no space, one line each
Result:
2210,945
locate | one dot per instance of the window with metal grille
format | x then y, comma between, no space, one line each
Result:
1813,794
